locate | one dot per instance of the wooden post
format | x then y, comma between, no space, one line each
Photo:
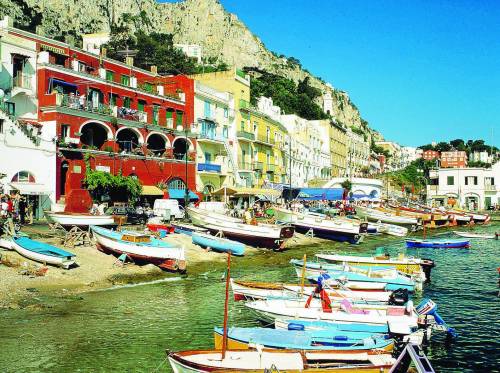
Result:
302,277
226,305
424,228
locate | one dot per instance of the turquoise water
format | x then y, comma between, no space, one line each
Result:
128,329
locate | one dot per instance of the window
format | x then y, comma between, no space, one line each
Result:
23,177
169,114
110,75
156,112
225,132
1,125
242,125
141,104
207,109
176,184
125,80
112,99
208,158
268,134
471,180
148,87
450,180
179,118
226,112
126,102
64,131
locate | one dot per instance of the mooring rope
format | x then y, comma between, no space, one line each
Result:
159,365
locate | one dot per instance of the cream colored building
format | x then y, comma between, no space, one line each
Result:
358,153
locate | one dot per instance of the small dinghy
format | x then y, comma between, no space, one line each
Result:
278,339
474,235
42,252
218,244
438,244
187,229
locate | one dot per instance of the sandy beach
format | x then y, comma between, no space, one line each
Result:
95,270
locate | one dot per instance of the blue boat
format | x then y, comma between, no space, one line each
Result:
391,277
187,229
438,244
218,244
314,325
241,338
42,252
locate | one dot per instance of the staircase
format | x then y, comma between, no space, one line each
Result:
412,353
234,165
8,118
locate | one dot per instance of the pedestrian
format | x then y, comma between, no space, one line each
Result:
30,212
3,208
22,210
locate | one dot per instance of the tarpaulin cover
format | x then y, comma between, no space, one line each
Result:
180,193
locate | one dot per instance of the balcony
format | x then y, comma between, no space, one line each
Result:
210,137
270,168
266,140
209,167
490,188
244,135
245,166
22,80
258,166
244,104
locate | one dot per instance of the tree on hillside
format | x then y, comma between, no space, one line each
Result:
457,143
427,147
442,147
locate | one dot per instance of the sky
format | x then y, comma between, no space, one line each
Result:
419,71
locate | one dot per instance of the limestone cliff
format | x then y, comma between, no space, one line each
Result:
205,22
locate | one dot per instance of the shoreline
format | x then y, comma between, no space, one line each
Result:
97,270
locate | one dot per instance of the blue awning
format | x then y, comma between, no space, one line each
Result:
181,193
318,194
54,81
363,196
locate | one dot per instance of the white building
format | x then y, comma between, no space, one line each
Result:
215,158
471,188
92,42
266,106
325,156
481,157
27,147
191,50
358,153
409,154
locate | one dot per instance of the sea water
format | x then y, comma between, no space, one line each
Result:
129,329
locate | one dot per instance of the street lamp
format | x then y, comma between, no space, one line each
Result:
193,130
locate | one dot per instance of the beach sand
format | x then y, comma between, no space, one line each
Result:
95,270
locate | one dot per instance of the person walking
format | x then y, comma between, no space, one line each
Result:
22,210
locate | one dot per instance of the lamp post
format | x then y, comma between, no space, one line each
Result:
193,130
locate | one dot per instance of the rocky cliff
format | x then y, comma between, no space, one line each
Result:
205,22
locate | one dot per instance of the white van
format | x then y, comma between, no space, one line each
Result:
168,208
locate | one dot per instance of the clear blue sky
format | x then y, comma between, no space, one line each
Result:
419,71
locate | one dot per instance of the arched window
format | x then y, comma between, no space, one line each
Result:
176,184
208,189
23,177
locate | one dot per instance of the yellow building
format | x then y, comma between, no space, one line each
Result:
338,149
267,147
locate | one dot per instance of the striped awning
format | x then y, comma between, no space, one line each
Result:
151,190
51,48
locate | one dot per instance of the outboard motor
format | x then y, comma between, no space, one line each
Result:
363,228
428,308
399,297
427,265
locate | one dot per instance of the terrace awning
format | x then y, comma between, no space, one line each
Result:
32,189
181,193
318,194
151,190
54,82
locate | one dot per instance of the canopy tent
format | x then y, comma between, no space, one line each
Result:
151,190
181,193
66,86
318,194
32,189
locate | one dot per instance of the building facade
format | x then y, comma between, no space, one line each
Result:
358,153
430,155
469,188
454,159
106,115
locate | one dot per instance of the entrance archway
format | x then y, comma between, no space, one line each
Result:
156,144
62,181
127,139
94,134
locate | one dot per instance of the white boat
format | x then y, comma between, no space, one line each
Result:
141,248
474,235
386,217
259,235
6,243
204,361
80,220
419,268
42,252
401,317
339,294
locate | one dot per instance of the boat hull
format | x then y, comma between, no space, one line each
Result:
329,234
59,261
80,220
438,245
218,244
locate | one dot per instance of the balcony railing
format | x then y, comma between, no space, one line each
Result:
490,188
22,80
265,139
209,167
245,135
244,165
209,136
259,166
270,167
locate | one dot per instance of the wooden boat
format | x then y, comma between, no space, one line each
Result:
392,279
474,235
141,248
260,235
42,252
438,244
188,229
349,341
417,267
261,290
323,227
157,224
387,217
80,220
224,245
289,361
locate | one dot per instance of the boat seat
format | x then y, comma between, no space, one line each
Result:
395,311
347,307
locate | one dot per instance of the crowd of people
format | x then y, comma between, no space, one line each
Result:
16,207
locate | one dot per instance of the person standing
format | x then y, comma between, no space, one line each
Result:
22,210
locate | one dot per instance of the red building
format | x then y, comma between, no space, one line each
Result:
114,117
454,159
430,155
